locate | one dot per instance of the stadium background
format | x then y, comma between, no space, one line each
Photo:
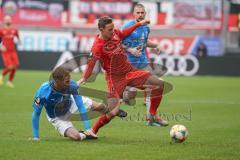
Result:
53,32
48,28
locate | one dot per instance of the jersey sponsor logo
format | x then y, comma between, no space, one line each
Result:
109,46
178,65
113,48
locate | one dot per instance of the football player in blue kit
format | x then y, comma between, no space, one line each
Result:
135,45
60,98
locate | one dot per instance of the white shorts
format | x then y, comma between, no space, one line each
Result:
62,123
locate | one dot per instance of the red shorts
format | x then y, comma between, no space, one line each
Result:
117,84
10,59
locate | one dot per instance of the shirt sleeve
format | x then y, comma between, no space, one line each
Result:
127,31
37,108
94,57
83,111
74,87
128,42
125,25
81,107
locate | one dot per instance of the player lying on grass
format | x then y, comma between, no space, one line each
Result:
107,48
60,98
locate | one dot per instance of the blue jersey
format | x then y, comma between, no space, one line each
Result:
137,39
49,98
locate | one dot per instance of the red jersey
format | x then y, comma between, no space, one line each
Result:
111,54
7,35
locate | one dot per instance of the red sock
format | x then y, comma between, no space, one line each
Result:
102,121
11,75
5,71
155,99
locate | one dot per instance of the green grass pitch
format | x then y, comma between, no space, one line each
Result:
208,106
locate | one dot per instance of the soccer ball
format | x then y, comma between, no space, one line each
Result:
178,133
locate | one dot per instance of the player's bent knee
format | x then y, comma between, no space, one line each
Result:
153,80
103,108
113,103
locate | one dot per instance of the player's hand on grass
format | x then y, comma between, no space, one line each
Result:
34,139
145,21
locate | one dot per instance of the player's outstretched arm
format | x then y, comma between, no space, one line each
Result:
127,31
144,22
83,111
35,121
88,71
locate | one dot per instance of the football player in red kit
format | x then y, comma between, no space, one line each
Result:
8,50
107,48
